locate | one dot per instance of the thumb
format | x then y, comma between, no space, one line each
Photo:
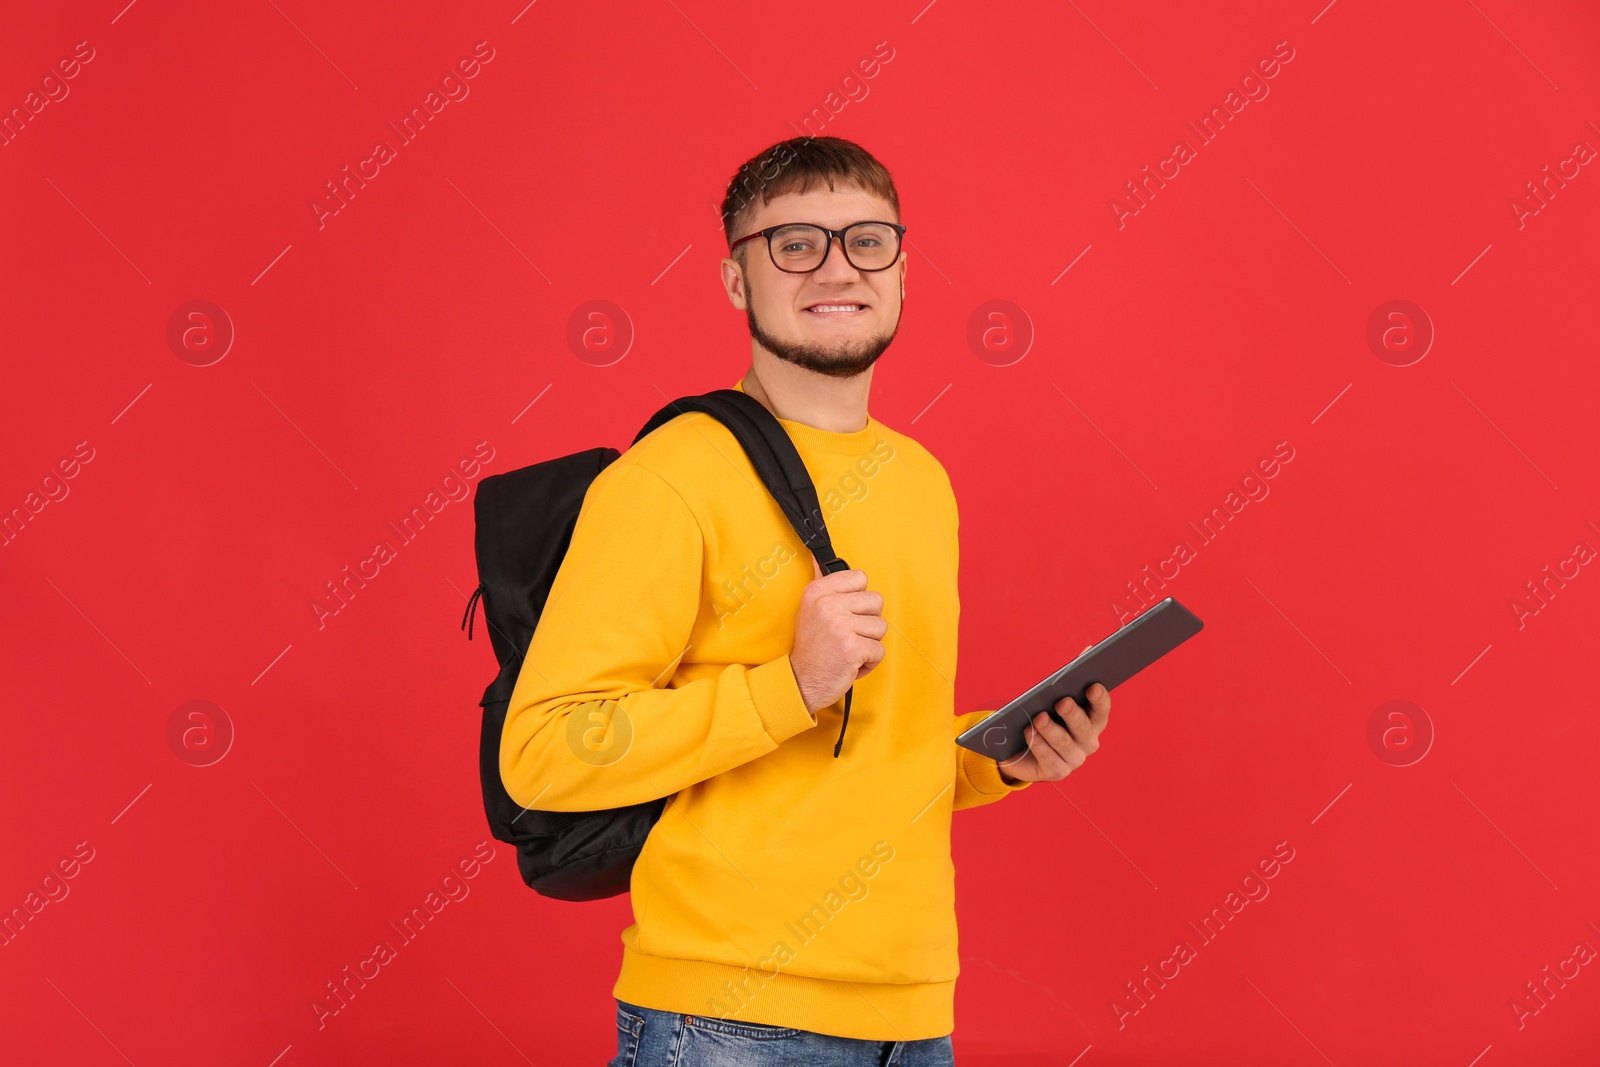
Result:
816,568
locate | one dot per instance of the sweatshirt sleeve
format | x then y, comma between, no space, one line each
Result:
978,780
589,725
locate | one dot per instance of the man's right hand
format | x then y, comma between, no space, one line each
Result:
838,635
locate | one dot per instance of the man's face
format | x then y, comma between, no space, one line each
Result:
779,305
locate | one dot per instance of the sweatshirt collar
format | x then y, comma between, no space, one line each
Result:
811,439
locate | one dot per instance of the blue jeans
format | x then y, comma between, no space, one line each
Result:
650,1038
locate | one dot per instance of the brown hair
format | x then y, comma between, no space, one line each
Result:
797,165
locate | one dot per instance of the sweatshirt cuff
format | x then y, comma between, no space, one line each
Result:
984,774
776,693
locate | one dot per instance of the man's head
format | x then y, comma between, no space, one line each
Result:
828,182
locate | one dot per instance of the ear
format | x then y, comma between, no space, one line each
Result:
733,283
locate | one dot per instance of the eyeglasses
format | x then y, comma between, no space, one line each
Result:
800,247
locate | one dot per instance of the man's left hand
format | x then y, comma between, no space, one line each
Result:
1056,751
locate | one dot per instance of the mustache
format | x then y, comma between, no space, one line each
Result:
845,362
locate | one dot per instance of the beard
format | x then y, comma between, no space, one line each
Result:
843,359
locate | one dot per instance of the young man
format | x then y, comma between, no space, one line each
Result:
790,906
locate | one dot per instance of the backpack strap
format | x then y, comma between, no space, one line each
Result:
772,454
775,459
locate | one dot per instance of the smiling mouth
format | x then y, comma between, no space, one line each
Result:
836,309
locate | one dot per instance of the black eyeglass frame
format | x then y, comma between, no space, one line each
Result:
900,233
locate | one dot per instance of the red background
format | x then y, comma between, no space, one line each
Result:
1228,315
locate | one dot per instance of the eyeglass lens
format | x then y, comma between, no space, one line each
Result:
801,247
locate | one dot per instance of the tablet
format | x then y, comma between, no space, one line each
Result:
1111,662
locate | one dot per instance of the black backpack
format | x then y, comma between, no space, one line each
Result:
525,520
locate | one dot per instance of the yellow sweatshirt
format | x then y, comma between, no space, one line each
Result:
781,885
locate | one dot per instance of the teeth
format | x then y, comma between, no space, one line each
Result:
835,307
